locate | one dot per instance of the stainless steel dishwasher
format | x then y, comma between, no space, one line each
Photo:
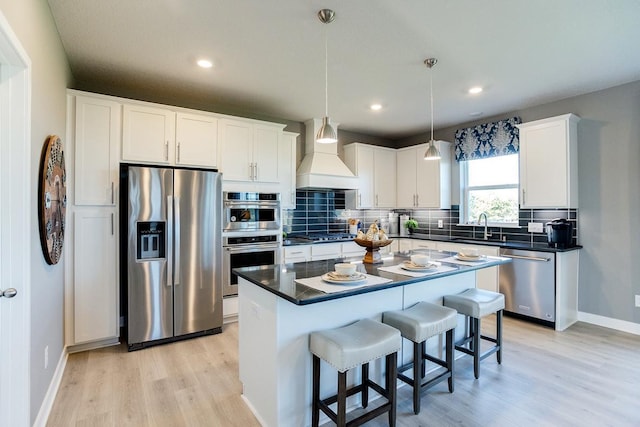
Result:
528,284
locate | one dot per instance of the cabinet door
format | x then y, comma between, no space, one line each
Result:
287,173
196,140
406,183
365,170
95,281
543,165
97,143
428,180
326,251
148,134
384,181
236,150
265,154
297,253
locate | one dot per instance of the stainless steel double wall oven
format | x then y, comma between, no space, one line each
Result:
252,233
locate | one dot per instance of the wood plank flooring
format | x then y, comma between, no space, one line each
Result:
585,376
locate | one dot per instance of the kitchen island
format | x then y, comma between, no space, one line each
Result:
277,313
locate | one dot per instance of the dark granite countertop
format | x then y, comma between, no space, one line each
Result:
280,279
542,247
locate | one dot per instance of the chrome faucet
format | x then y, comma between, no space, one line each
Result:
487,233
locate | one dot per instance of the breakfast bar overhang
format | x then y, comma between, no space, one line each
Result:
277,313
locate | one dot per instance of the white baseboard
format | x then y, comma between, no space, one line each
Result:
50,397
608,322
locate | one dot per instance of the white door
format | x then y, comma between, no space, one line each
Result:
15,234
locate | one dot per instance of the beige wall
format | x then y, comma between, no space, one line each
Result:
31,21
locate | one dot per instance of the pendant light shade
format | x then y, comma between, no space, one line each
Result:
326,134
432,152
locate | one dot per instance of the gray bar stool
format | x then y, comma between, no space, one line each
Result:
417,324
475,304
345,348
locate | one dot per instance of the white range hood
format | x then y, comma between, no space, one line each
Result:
321,168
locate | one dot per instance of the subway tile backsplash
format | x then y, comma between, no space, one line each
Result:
319,211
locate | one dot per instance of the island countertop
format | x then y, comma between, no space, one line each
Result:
281,279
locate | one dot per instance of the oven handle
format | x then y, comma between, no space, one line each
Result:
251,248
249,204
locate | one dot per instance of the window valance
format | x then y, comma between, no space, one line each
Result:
488,140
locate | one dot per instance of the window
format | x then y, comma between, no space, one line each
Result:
490,185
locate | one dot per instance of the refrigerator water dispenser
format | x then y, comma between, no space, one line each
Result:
151,240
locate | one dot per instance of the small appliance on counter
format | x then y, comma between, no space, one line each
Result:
560,233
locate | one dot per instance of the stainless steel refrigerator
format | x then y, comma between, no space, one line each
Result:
172,251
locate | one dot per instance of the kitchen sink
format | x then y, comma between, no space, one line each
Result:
479,242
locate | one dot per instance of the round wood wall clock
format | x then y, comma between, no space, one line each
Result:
52,199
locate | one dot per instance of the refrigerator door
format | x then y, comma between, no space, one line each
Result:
198,251
149,263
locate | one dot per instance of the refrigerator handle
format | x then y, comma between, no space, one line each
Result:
176,251
169,237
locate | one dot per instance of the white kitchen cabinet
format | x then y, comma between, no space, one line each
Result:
423,244
423,183
326,251
249,151
296,253
148,134
196,140
352,249
549,163
287,172
97,148
405,245
95,275
486,278
375,168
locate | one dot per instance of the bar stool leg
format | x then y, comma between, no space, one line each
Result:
365,387
476,347
391,374
315,407
499,336
450,350
423,366
341,419
418,366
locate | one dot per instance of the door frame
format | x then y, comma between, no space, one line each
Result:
15,233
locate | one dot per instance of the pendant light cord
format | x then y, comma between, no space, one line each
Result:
431,84
326,75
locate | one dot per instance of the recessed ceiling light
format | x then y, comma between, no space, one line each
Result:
475,90
475,113
376,107
205,63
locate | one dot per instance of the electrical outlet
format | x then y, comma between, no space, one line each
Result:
534,227
46,357
637,300
440,223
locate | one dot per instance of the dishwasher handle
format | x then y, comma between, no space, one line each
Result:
529,258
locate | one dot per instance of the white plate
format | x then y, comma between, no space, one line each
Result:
344,280
470,257
408,265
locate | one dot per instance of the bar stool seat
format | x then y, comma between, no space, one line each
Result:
345,348
475,304
417,324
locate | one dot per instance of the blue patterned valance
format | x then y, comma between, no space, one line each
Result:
488,140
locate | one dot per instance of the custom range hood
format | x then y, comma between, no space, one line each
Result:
321,168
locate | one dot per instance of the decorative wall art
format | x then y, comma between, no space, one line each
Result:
52,199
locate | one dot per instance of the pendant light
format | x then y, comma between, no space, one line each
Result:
432,152
326,133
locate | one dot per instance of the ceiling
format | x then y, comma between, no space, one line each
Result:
269,55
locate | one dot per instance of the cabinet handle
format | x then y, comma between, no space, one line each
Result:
359,200
523,196
376,200
112,225
295,253
255,171
112,194
178,148
166,150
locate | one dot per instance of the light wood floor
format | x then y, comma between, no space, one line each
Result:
585,376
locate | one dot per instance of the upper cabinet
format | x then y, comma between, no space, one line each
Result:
375,168
424,183
287,172
249,150
97,144
549,163
148,134
161,136
196,140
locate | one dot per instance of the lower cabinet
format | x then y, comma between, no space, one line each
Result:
297,253
94,275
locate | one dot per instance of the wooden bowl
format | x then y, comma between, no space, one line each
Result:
373,244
